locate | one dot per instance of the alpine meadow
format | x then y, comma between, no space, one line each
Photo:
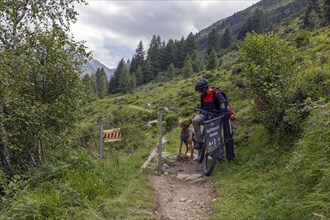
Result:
271,59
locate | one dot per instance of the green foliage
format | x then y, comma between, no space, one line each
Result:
137,60
257,23
226,40
327,12
101,83
122,81
302,39
268,62
139,76
171,121
197,62
213,41
268,179
154,55
212,62
72,185
171,71
312,18
270,65
89,85
191,44
43,64
187,69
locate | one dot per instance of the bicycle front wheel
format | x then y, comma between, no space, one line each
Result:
201,155
208,165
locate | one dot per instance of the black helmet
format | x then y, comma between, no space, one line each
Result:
201,84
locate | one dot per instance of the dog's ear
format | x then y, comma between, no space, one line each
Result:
181,124
187,122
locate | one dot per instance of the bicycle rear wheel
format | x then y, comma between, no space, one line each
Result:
208,166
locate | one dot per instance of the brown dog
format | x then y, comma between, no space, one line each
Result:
188,137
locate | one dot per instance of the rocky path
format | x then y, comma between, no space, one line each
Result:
182,191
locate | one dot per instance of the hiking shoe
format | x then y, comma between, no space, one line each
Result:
221,161
199,146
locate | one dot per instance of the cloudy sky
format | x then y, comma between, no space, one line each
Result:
113,28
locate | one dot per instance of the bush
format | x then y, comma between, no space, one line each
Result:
270,64
171,121
302,39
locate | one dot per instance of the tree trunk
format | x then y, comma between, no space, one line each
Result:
5,156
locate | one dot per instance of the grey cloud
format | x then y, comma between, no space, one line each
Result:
140,20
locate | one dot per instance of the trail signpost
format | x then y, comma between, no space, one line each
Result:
213,134
108,136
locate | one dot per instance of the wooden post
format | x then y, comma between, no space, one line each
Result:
101,142
160,143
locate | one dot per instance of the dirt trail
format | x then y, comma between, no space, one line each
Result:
182,191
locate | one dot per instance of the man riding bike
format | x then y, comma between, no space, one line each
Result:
214,102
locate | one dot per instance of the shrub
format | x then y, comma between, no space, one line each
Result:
171,121
270,64
302,39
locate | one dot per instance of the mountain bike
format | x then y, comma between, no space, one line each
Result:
213,142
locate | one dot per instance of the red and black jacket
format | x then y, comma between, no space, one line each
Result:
215,101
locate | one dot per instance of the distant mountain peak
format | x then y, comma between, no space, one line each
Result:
92,65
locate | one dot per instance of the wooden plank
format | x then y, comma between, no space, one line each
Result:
152,155
146,163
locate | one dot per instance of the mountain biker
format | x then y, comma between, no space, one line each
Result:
214,101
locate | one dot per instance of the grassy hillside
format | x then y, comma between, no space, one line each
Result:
267,181
270,179
278,12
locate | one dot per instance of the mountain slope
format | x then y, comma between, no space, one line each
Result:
92,65
275,10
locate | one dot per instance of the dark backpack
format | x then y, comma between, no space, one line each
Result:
226,102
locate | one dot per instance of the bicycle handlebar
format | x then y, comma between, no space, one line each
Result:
217,112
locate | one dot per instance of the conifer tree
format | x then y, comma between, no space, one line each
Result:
226,40
187,69
147,71
181,55
327,12
154,55
257,23
212,62
138,58
139,76
101,82
213,41
125,80
93,83
171,71
191,44
164,61
169,53
89,86
196,62
114,81
310,20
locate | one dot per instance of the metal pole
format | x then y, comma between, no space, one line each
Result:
160,143
101,142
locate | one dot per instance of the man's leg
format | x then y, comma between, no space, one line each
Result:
229,142
198,121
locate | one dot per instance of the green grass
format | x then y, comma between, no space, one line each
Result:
267,180
74,186
270,181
